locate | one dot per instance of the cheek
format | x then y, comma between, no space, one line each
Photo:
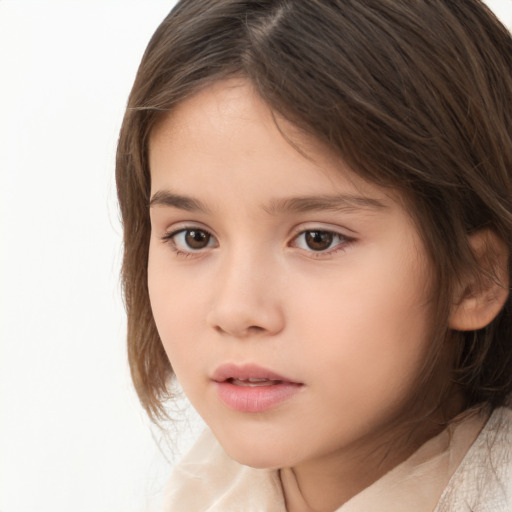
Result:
176,304
375,297
370,330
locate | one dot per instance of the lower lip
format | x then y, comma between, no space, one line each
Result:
255,398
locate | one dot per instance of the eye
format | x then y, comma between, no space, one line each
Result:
190,240
319,240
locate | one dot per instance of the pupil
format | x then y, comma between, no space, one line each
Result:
318,240
197,239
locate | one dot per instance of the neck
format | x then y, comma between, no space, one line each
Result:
326,483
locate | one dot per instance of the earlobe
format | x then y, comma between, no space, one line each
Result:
482,297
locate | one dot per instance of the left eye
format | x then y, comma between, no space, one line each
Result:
318,240
192,239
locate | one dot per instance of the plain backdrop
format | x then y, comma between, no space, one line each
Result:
73,437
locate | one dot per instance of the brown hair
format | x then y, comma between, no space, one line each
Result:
414,94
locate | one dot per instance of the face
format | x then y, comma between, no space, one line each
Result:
289,294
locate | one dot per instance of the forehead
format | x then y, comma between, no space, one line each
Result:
227,129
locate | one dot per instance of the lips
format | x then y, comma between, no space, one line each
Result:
246,373
253,382
251,388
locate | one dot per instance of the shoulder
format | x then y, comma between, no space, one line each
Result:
208,480
483,481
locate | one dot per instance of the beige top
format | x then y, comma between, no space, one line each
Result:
464,468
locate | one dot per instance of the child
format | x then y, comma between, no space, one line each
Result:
317,209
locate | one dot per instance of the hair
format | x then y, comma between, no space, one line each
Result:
414,95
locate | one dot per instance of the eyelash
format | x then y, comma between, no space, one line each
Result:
170,238
342,242
342,245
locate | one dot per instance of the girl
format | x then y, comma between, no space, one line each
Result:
317,209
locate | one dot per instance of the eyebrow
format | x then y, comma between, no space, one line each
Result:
339,202
302,204
166,198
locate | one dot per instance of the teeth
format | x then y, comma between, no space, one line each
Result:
253,382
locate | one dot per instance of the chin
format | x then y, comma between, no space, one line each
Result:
256,459
259,455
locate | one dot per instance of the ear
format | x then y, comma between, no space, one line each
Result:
481,297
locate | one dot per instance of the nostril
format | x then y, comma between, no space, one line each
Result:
252,329
255,329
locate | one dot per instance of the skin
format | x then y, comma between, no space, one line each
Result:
350,322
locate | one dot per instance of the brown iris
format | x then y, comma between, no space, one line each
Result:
318,240
197,239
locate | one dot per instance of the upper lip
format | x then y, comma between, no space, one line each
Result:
246,371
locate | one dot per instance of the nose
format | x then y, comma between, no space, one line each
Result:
246,299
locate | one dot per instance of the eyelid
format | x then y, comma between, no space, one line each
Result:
346,239
323,226
176,227
169,237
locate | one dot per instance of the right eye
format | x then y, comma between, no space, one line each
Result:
190,240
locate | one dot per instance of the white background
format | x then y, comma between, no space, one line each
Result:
73,437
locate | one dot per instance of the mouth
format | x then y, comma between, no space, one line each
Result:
251,388
253,382
248,374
